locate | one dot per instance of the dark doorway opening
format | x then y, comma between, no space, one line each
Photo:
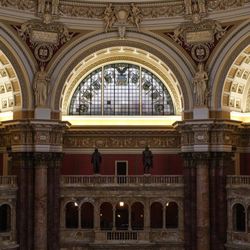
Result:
121,171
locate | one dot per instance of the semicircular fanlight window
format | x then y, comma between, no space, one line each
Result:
121,89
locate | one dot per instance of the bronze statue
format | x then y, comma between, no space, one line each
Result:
147,159
96,160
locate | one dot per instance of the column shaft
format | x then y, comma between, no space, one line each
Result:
40,227
202,195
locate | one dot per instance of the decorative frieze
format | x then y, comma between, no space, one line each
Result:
121,140
95,10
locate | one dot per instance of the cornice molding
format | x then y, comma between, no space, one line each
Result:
154,13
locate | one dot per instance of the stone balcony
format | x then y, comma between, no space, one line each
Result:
163,239
238,209
110,186
121,181
8,189
148,190
8,181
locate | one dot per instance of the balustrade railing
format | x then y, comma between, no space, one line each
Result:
238,180
83,180
9,180
121,235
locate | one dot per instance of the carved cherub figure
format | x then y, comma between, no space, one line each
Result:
109,17
135,16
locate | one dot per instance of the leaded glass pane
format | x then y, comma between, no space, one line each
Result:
121,89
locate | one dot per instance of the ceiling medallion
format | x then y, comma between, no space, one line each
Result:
200,52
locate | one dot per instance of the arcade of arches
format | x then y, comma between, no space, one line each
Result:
125,125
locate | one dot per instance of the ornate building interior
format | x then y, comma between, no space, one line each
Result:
125,124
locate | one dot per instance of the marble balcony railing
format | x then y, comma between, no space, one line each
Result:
84,236
233,180
131,180
8,181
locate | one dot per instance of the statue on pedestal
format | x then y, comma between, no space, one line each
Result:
147,159
200,87
96,160
40,87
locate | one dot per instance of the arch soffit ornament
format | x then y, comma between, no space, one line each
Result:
62,66
83,69
23,67
222,61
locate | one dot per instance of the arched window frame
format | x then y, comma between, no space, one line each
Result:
239,219
75,205
5,219
116,90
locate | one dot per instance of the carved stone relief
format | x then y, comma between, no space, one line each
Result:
148,10
109,141
121,17
198,36
44,36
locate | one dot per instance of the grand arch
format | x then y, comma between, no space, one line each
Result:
222,62
180,67
16,58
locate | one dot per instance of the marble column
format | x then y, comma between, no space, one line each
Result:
189,202
22,163
147,219
224,163
114,217
97,216
129,218
202,201
53,183
40,222
213,200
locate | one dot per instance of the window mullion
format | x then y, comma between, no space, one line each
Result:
102,91
140,95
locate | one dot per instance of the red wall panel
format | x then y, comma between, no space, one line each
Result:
245,164
80,164
1,164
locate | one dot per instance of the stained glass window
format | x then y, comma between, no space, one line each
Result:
121,89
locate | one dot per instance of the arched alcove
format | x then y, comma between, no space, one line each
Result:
87,215
239,218
137,216
5,218
121,216
71,215
172,217
156,215
106,216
